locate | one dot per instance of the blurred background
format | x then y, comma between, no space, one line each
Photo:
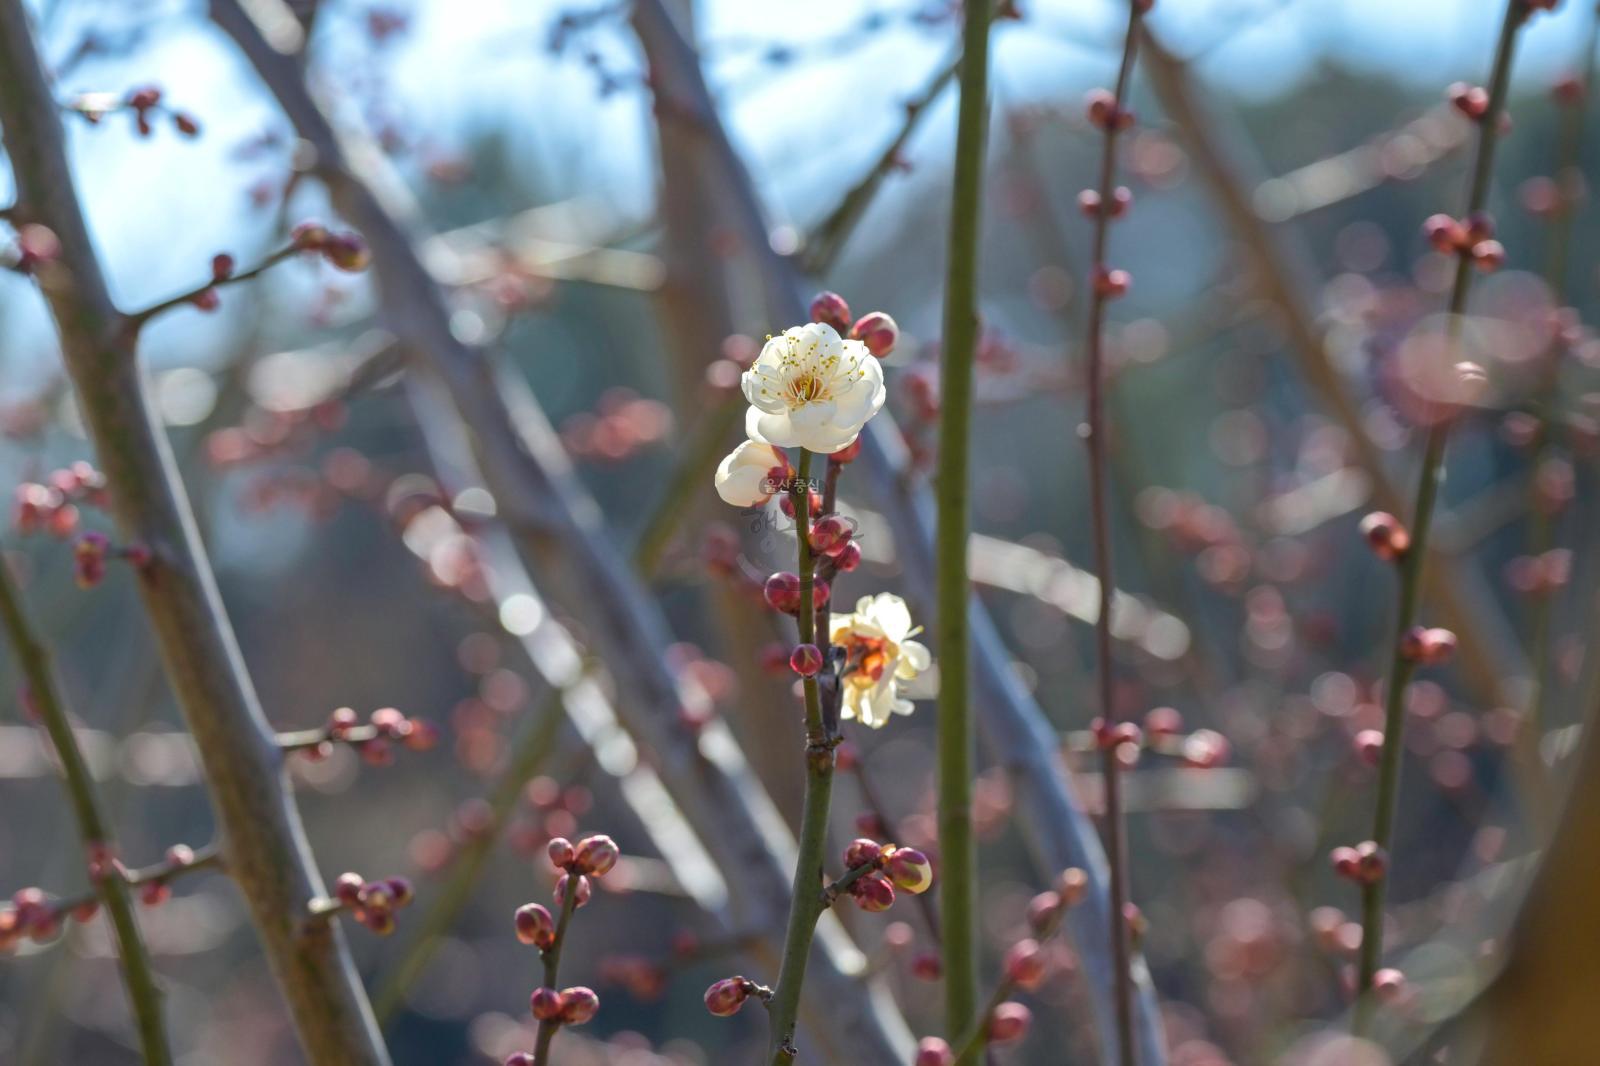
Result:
1286,156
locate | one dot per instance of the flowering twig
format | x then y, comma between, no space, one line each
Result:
956,731
267,853
33,659
805,906
1109,111
1406,655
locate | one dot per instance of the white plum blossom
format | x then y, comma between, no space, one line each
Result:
879,654
751,474
811,389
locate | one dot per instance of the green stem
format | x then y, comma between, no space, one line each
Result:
552,970
1412,565
33,659
1115,823
958,889
807,900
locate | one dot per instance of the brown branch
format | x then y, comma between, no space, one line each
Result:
267,851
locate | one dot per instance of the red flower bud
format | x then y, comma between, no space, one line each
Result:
877,331
830,309
1471,100
1073,884
725,997
848,557
1388,984
829,534
782,592
1112,284
927,967
1044,910
1009,1023
806,660
347,889
545,1004
910,869
1388,539
1163,722
519,1058
535,926
1369,746
932,1051
561,853
578,1005
584,889
1444,233
597,855
872,893
1024,964
862,852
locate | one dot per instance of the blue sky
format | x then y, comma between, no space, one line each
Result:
485,61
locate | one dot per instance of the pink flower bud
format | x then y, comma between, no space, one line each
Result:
221,266
862,852
519,1058
830,309
535,926
829,534
782,592
1024,964
347,889
1009,1023
1346,863
1385,535
725,997
1444,233
346,252
1163,722
1369,746
872,893
1112,284
1044,910
583,889
848,557
1205,748
562,854
927,967
932,1051
1371,861
1388,984
597,854
910,870
1488,256
877,331
806,660
545,1004
1073,884
578,1005
1471,100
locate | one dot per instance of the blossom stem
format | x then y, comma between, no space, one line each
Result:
135,320
552,970
1412,564
1115,830
33,660
957,735
807,902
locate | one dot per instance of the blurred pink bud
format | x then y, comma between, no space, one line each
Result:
726,996
1024,964
932,1051
597,855
1009,1023
535,926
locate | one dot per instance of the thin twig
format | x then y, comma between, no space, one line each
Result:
33,659
1115,828
1403,666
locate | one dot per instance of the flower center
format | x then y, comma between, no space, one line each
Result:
805,389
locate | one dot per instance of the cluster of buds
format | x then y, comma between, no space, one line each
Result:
374,740
1105,113
34,916
345,251
887,867
145,103
833,537
1472,237
1092,204
1162,734
1427,646
90,552
570,1006
875,329
1542,574
1388,539
372,903
622,425
1365,864
591,857
51,506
